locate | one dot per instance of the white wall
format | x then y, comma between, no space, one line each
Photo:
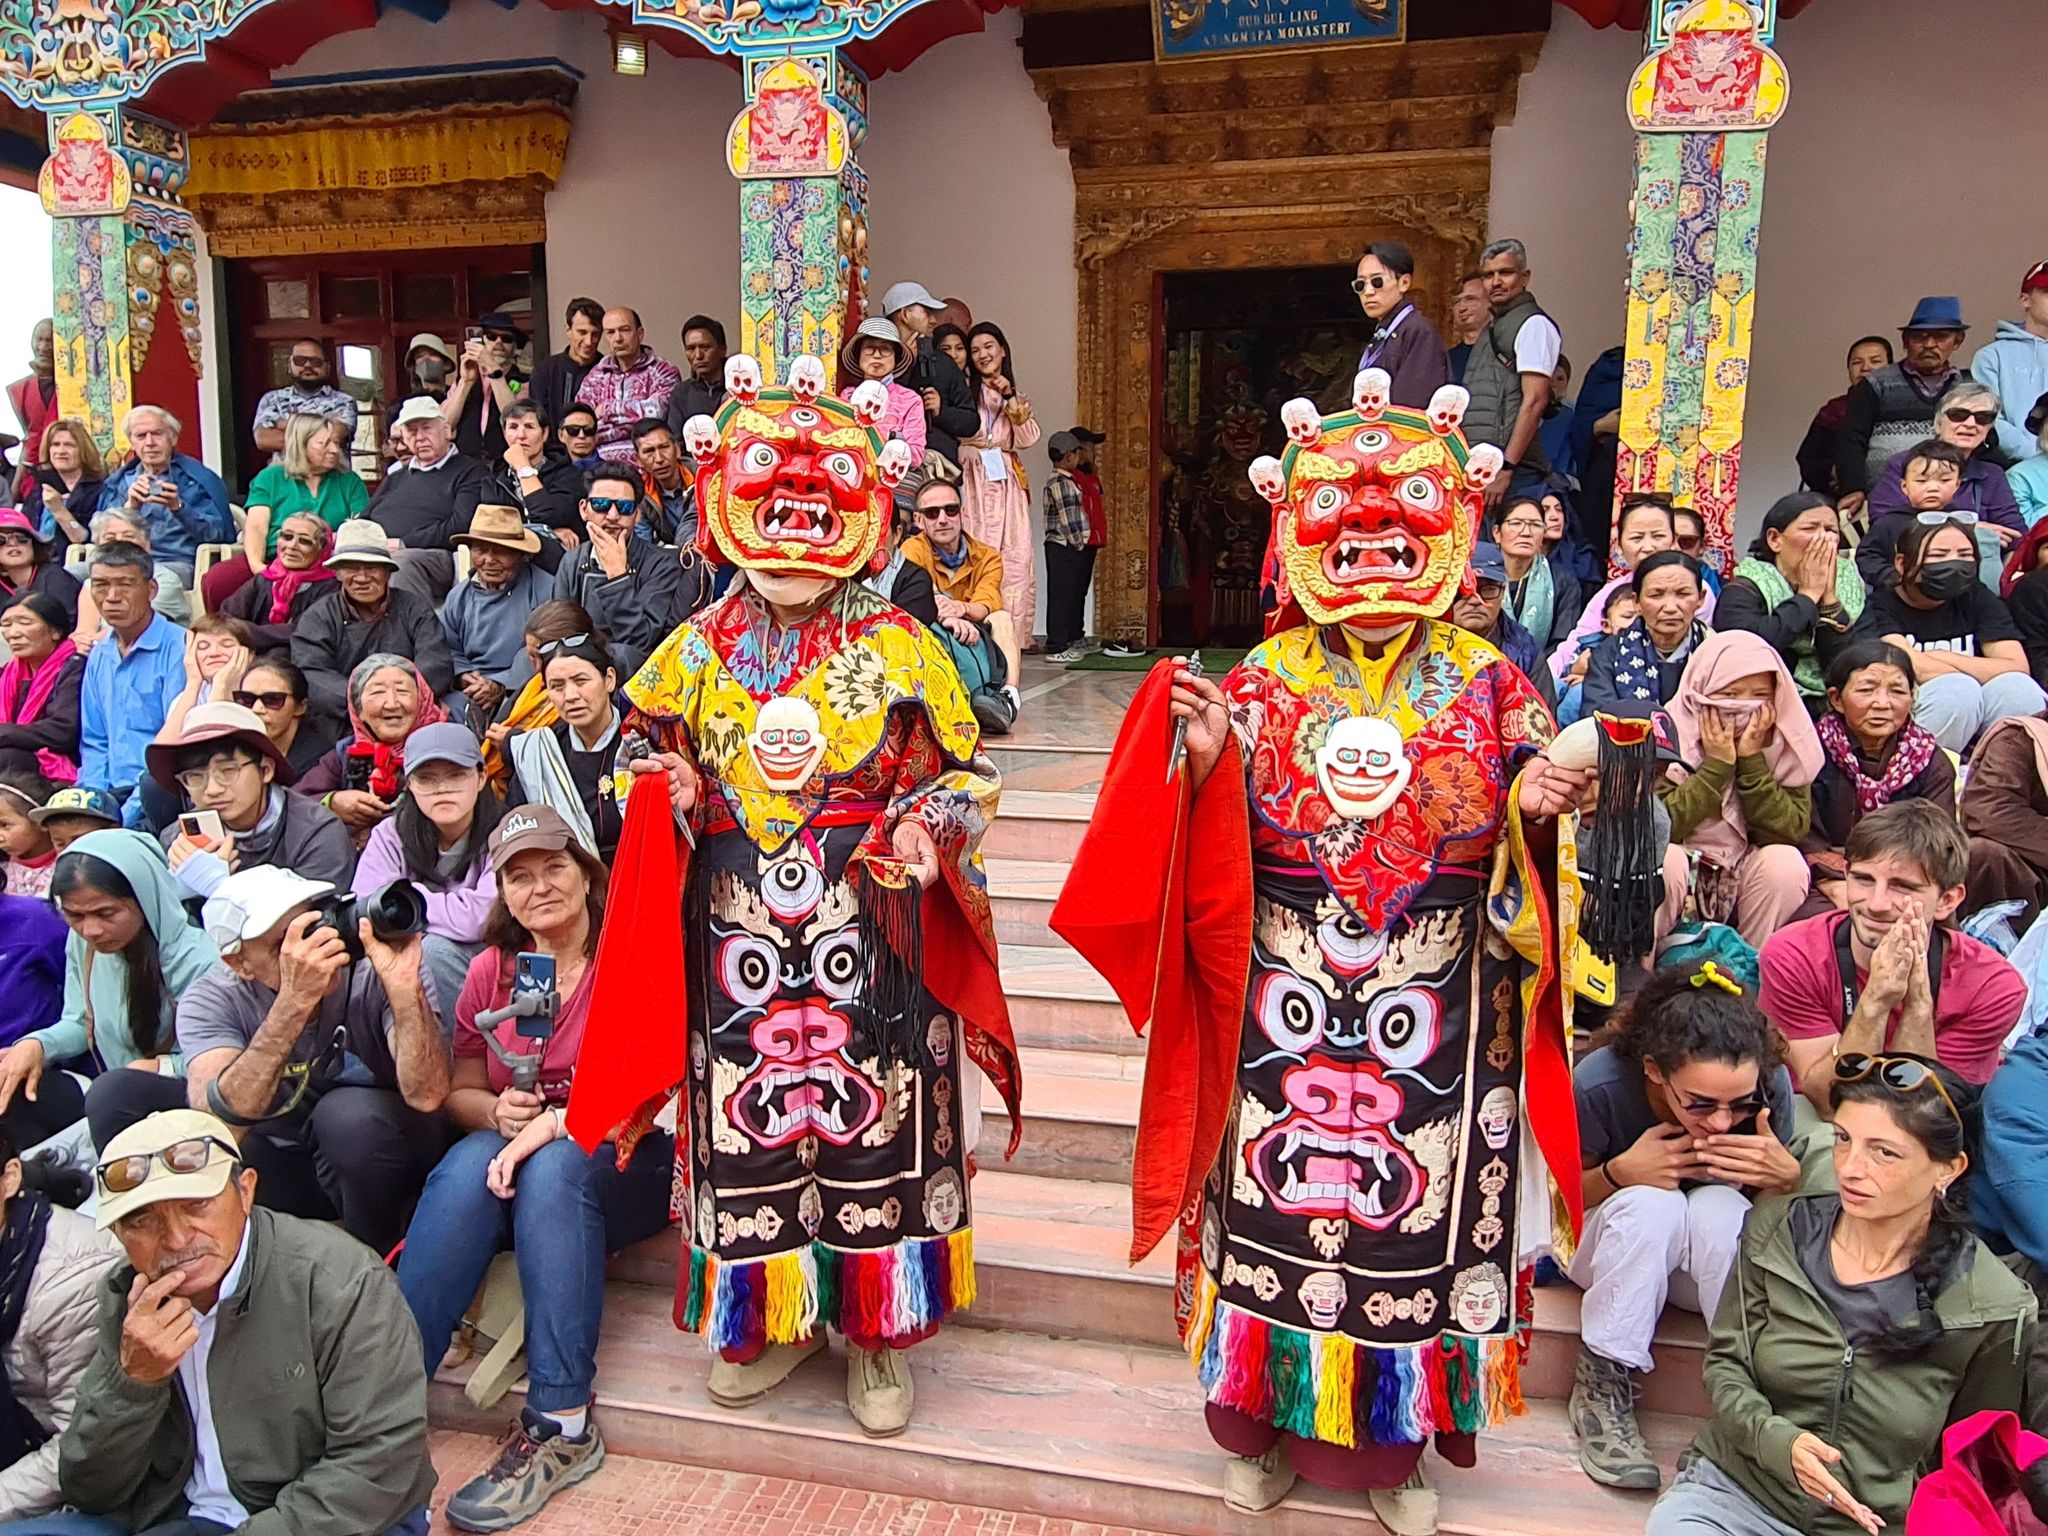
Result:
26,277
1899,169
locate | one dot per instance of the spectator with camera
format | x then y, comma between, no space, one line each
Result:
517,1181
359,779
251,1372
316,1038
437,840
567,765
226,767
366,616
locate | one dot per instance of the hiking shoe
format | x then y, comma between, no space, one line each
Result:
1067,657
1409,1510
538,1461
736,1385
993,712
1603,1419
1256,1483
879,1391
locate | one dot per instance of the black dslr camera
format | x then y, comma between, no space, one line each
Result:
396,911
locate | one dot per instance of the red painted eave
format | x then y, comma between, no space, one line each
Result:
272,37
1634,13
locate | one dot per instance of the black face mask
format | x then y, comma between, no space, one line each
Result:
1946,580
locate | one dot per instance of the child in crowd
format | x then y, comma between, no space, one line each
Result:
1931,477
1621,609
30,855
1073,533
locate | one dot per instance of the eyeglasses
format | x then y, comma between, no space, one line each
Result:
555,648
12,540
1371,284
507,338
1700,1107
222,771
1489,590
939,508
1958,414
1907,1074
1936,519
1521,525
612,506
270,701
122,1174
579,429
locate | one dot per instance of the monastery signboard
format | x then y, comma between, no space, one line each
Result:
1190,29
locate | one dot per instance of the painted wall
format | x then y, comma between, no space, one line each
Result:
646,213
1855,153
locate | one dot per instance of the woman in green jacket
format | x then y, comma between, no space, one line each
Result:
1743,798
1856,1326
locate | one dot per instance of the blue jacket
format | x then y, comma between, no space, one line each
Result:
175,537
2029,482
32,938
2009,1187
2015,363
122,705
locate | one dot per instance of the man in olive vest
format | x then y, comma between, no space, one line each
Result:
1509,372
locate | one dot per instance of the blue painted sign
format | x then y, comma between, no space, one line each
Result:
1192,29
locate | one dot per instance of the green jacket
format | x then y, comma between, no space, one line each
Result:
1773,812
319,1398
1778,1366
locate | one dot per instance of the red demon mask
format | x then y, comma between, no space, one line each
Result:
793,481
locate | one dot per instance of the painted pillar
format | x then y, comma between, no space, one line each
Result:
803,207
1702,103
87,191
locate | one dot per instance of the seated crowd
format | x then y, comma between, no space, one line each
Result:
1811,1118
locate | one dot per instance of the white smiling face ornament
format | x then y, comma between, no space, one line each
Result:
1362,767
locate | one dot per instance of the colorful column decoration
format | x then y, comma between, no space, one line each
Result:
803,217
87,191
1702,103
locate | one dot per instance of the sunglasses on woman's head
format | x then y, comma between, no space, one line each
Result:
554,648
1906,1074
1959,415
1936,518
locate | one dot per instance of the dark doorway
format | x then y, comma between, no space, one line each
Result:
1238,345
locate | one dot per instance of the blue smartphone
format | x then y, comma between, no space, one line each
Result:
534,974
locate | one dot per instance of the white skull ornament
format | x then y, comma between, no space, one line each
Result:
1372,391
893,462
1322,1298
1447,409
1362,767
700,437
1483,465
1497,1116
870,402
806,378
743,378
1267,478
1303,421
787,743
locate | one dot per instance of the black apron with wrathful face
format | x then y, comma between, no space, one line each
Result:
1357,1238
826,1179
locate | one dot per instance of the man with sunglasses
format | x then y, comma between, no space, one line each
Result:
1891,974
253,1371
633,586
1892,407
487,381
1965,419
578,433
967,575
310,393
1402,341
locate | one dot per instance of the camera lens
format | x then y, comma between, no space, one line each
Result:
396,911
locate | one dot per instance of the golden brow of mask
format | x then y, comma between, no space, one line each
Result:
1429,455
763,425
845,437
1310,465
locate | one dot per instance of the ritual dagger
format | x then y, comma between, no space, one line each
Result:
1178,753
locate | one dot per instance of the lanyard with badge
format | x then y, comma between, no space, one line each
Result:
1381,340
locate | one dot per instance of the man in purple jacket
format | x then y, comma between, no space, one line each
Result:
1402,340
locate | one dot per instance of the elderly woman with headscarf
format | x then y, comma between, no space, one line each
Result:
297,577
1740,798
360,780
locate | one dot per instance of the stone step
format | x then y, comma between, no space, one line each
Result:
1058,1001
1052,1258
1022,892
1038,824
1080,1115
1067,1429
1047,766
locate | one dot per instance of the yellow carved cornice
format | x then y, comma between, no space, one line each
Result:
421,218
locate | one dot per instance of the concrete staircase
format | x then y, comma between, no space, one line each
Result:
1065,1392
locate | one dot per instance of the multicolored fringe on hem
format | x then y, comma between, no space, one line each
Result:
1327,1387
894,1294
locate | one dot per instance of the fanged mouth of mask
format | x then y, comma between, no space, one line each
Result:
1361,1176
1354,557
804,519
779,1104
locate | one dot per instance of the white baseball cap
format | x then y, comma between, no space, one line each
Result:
251,902
903,295
418,408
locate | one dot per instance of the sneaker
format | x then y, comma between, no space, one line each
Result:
1067,657
879,1390
1124,648
993,711
537,1462
1256,1483
1603,1420
1409,1510
736,1385
1016,701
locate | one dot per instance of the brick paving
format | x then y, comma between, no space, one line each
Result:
633,1497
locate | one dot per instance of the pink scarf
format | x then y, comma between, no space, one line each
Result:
285,584
1794,752
41,683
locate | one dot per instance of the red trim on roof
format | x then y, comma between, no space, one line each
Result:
1634,13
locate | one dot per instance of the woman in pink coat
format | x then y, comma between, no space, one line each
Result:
997,502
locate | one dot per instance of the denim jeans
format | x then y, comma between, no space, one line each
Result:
66,1523
567,1211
